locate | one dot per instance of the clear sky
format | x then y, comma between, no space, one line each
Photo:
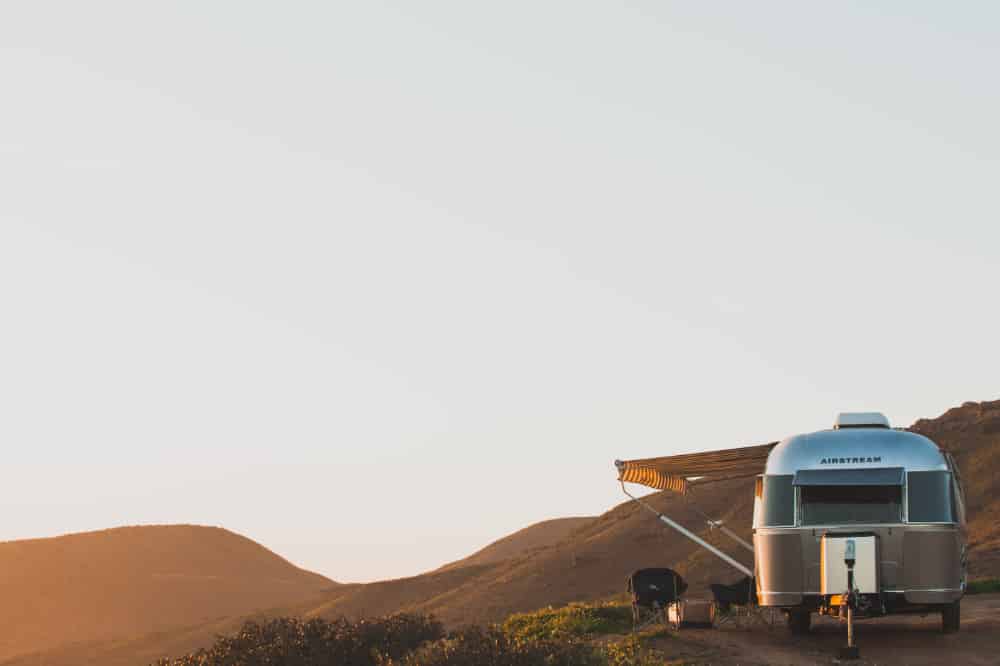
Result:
376,283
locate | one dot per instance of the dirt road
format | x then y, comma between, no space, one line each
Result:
893,640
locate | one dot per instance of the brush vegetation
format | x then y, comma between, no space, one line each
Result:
315,642
549,637
575,620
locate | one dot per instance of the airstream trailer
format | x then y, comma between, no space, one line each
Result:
893,495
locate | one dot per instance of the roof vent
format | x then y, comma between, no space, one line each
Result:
860,420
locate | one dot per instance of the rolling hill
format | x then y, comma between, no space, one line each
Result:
557,562
592,562
522,542
187,622
135,580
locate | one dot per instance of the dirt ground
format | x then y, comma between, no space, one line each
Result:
907,639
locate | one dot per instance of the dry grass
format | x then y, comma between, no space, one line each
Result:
135,580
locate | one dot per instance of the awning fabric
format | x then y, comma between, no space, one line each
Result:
675,472
879,476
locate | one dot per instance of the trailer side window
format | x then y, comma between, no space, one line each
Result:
929,497
779,501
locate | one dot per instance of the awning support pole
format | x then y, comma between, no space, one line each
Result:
691,535
717,524
732,535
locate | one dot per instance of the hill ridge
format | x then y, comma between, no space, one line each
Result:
130,580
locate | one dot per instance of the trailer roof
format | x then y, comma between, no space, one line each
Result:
859,448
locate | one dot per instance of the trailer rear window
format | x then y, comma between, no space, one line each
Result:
842,505
779,501
928,496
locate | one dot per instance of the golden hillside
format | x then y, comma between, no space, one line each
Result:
523,542
135,580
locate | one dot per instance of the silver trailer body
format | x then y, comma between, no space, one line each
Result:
891,498
894,490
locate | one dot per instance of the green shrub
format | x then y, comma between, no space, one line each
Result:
574,620
982,586
629,653
293,642
475,646
550,637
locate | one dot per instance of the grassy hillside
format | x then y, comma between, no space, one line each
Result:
523,542
591,563
146,646
135,580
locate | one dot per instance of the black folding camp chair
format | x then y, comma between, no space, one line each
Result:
653,591
737,604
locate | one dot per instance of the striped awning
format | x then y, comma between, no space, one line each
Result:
678,472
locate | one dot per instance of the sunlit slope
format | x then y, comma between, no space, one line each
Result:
523,542
591,563
134,580
381,597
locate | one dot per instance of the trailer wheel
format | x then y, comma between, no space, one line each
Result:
951,617
799,621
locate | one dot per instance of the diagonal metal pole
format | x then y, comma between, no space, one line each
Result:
691,535
717,524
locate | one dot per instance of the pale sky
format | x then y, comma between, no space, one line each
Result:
376,283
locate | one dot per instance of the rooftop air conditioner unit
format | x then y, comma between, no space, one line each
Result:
860,420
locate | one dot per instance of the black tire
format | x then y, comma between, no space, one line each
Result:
799,621
951,617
